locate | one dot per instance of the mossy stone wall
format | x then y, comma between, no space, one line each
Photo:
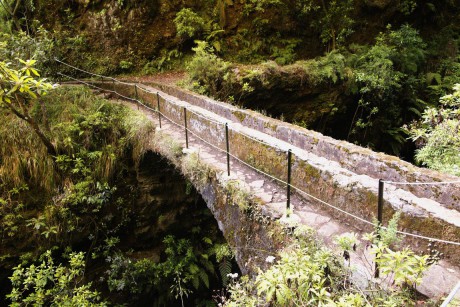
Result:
323,177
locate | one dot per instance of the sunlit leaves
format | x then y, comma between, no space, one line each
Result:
438,134
48,284
299,276
21,85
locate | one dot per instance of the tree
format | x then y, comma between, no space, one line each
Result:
331,18
19,90
15,9
437,135
336,22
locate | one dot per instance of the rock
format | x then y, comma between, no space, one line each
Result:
274,210
292,221
265,197
257,184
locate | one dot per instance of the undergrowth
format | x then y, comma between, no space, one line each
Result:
307,273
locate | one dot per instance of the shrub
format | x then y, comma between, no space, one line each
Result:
48,284
207,72
188,24
438,135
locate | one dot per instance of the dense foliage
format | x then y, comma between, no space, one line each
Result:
308,274
438,135
347,67
367,71
53,285
79,198
377,83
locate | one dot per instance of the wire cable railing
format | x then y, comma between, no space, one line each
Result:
274,178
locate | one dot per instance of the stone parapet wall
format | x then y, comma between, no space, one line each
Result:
359,160
331,177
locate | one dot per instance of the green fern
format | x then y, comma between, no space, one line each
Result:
204,278
225,268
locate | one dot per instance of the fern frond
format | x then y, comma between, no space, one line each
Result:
225,268
204,278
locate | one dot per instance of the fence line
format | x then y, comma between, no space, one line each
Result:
247,164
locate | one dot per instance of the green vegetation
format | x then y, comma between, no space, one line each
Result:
381,79
188,23
308,274
438,135
338,63
188,267
19,91
376,73
53,285
78,198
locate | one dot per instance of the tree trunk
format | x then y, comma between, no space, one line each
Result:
49,146
25,116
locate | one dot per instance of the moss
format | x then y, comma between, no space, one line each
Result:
168,146
195,170
260,156
345,149
270,125
240,115
435,228
370,197
304,173
238,195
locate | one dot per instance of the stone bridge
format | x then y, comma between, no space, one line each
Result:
333,184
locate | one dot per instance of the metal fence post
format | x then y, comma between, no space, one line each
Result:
288,201
185,125
380,221
380,203
113,85
158,107
137,95
228,149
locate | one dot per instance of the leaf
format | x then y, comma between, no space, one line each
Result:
217,46
204,278
35,72
207,240
225,268
430,77
196,282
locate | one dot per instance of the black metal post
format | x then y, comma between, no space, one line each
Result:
137,95
158,107
113,85
380,204
380,220
185,125
228,149
288,201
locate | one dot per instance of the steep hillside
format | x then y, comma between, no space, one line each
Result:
357,70
119,35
